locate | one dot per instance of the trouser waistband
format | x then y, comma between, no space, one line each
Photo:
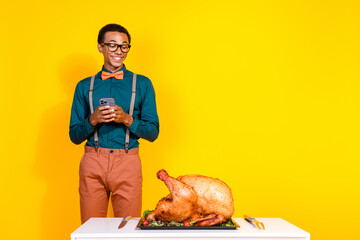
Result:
109,150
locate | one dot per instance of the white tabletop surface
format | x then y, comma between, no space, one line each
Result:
108,228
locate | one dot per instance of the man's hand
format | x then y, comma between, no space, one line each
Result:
106,114
102,114
121,116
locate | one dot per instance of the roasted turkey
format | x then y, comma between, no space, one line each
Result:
206,200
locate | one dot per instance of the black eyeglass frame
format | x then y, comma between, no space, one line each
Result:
118,45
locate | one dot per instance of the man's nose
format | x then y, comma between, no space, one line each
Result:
118,51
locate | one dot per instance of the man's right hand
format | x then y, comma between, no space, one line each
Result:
102,114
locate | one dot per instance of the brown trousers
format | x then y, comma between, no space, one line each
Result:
110,171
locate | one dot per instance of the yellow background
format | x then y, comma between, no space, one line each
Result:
261,94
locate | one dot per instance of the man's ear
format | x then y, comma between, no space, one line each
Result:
100,48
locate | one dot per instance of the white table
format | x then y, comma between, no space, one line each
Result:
107,229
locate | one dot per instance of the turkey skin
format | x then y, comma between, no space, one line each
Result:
205,200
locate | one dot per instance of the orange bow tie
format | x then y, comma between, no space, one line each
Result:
107,75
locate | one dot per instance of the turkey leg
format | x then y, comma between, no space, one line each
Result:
178,190
178,205
210,220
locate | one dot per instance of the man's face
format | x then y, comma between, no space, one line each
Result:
113,60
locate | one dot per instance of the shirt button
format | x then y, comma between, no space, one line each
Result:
111,151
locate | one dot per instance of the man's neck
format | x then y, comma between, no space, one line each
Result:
113,69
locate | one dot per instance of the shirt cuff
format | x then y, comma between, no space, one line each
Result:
88,126
134,125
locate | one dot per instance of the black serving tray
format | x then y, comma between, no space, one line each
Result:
189,227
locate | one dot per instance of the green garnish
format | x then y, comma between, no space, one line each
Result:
146,213
155,224
174,224
228,224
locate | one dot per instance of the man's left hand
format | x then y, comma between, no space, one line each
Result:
120,116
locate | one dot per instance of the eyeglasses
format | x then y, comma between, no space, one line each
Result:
112,47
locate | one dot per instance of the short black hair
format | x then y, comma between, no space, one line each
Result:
112,27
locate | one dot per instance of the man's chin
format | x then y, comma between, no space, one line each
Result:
116,65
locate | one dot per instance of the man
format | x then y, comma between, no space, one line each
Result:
111,162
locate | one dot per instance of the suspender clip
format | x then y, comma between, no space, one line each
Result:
126,147
96,146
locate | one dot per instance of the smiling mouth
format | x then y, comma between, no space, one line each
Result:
116,58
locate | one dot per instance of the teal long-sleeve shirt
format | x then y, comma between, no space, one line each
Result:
112,135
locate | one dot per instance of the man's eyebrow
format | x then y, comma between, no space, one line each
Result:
112,41
124,41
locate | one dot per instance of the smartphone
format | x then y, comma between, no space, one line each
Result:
107,102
